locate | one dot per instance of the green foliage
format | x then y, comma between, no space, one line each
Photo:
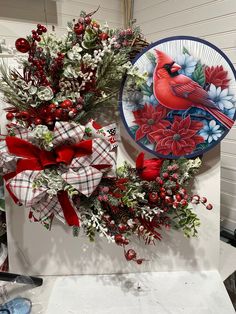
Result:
152,58
186,220
198,74
185,50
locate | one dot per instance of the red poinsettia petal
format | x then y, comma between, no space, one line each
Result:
185,123
139,134
186,133
198,139
163,150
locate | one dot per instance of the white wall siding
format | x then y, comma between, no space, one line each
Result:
215,21
18,18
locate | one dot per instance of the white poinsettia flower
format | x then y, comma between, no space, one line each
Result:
187,63
221,98
211,131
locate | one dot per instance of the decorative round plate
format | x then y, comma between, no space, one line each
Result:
184,103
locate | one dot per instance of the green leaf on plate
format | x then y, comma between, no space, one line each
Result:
198,74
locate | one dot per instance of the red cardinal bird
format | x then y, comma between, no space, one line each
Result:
179,92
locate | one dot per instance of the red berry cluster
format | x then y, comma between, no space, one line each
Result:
37,57
196,199
169,195
130,254
80,26
87,22
125,37
49,114
37,33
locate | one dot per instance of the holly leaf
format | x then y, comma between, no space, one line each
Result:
185,50
198,75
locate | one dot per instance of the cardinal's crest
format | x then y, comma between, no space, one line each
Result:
162,58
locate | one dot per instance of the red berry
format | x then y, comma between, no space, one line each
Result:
209,207
103,36
162,194
24,115
175,204
66,104
119,239
130,255
178,197
122,228
78,29
126,242
139,261
39,25
52,107
58,113
153,197
73,112
203,200
37,121
44,29
165,175
49,121
87,20
10,116
39,31
184,203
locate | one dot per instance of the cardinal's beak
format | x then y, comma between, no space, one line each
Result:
175,67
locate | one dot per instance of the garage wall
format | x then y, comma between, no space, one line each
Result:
18,17
215,21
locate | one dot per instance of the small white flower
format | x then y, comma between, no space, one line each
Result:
221,98
211,132
187,63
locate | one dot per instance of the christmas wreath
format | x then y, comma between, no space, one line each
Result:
59,162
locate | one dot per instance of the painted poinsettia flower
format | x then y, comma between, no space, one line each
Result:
149,119
221,98
187,63
217,76
211,131
180,139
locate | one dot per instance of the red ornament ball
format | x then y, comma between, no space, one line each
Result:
10,116
22,45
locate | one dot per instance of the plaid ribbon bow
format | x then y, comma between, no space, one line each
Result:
85,162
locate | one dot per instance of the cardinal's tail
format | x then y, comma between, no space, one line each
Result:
220,116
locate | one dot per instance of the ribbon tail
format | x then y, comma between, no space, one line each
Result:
68,210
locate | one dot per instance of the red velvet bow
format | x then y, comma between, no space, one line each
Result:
35,158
